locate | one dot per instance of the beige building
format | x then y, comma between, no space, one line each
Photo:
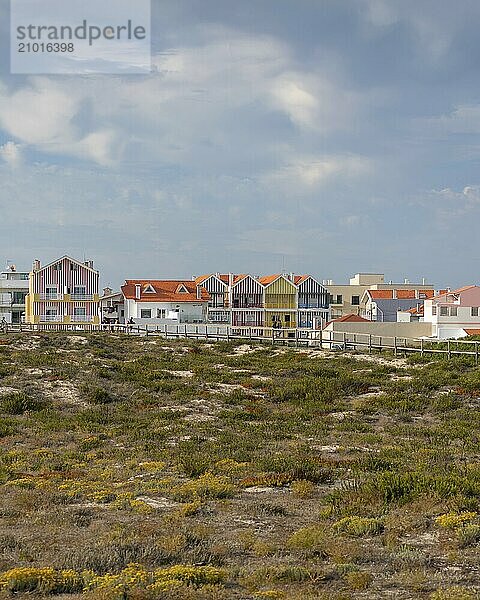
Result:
346,299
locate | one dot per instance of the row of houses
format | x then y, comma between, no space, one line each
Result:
278,301
67,291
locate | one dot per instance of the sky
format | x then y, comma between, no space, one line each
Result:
327,137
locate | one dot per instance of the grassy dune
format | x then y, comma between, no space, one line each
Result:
139,468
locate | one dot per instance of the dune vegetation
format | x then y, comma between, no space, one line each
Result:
139,468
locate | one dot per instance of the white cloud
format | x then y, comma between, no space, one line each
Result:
202,109
43,115
11,153
313,171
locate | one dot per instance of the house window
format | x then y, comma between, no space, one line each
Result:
453,311
444,311
18,297
287,319
73,267
474,311
79,311
339,299
161,313
79,290
57,267
434,310
51,292
355,300
146,313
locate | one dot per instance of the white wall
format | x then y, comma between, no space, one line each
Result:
187,311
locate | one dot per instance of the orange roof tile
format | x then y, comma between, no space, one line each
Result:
352,318
406,294
267,279
380,294
472,331
166,290
298,279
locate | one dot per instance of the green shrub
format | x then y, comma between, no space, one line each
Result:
98,395
17,403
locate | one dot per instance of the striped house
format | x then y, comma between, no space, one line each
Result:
280,300
217,286
247,301
312,301
64,291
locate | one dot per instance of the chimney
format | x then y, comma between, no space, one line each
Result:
36,265
292,276
406,281
107,291
199,292
230,279
137,291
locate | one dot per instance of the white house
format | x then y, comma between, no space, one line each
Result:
454,314
162,301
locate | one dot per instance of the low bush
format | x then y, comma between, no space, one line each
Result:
454,520
206,487
309,541
41,581
358,526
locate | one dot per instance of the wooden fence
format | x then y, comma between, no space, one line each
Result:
339,341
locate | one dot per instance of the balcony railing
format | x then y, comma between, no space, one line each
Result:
81,296
51,318
51,296
81,318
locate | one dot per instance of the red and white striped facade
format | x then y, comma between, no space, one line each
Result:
64,291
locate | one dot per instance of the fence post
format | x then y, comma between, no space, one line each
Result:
370,343
449,350
395,345
421,347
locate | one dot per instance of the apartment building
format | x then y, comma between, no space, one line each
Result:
350,298
13,291
63,291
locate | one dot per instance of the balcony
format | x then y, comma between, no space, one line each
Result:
51,318
82,297
51,296
81,319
